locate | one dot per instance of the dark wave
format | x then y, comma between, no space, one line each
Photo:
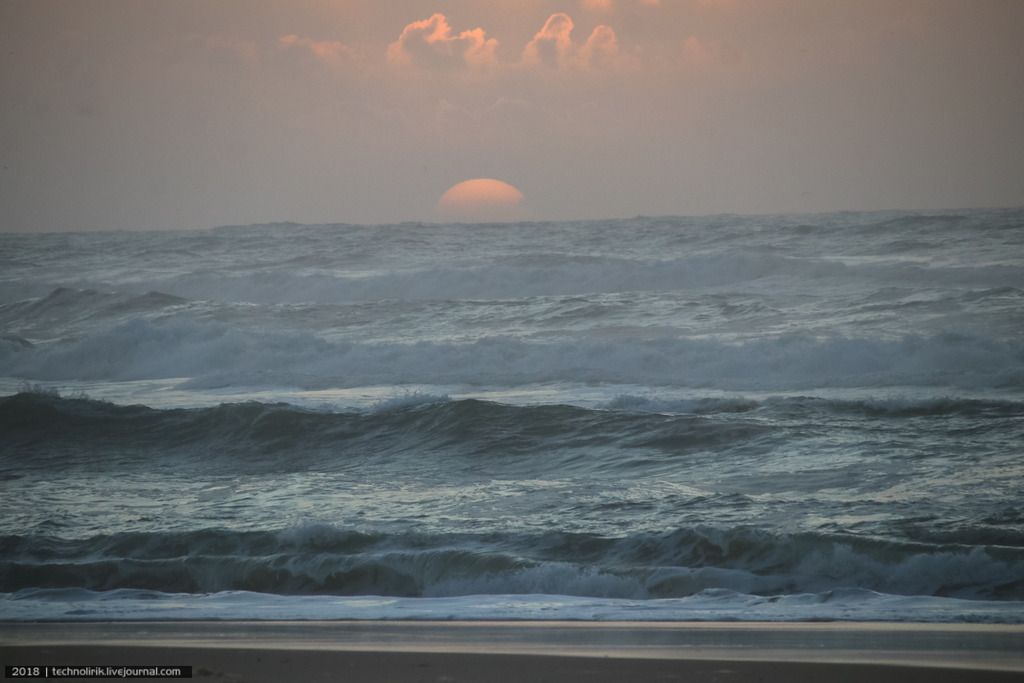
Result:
327,560
908,408
37,423
942,406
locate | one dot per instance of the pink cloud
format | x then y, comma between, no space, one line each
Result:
601,49
332,53
431,43
553,46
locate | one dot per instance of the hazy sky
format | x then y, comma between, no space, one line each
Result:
122,114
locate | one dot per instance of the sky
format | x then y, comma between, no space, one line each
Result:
152,114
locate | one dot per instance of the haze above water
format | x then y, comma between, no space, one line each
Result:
147,114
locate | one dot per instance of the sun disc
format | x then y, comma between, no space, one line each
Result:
480,199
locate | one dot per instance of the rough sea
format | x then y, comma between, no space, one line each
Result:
807,417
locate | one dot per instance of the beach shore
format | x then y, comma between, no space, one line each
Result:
530,651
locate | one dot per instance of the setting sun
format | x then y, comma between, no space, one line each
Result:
480,199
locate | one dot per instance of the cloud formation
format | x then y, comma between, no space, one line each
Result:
430,43
330,52
553,46
601,49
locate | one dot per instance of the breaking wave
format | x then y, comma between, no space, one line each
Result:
320,559
541,274
284,436
213,354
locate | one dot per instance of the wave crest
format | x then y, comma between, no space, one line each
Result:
326,560
214,355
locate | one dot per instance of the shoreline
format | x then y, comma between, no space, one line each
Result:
511,650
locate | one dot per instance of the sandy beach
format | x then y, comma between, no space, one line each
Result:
530,651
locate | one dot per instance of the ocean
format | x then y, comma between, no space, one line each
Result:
806,417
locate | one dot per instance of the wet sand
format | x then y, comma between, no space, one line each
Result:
530,651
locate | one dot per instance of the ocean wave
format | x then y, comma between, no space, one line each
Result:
716,604
214,354
697,406
326,560
515,276
526,276
279,436
284,436
941,406
64,305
